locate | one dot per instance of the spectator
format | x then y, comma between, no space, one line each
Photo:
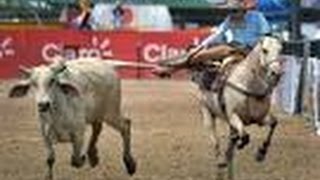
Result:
118,15
83,20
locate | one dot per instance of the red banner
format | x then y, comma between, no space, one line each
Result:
33,47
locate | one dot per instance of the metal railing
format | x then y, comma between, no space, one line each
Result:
301,80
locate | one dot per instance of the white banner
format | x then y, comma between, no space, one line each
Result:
155,17
315,70
286,92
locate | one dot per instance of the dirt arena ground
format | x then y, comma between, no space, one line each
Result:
168,142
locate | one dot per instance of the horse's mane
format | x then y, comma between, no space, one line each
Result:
246,73
253,55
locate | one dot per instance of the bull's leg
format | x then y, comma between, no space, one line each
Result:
50,160
78,157
123,125
237,124
272,122
92,149
48,140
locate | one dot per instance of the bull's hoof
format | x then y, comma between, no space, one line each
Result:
130,164
78,162
244,141
93,161
93,158
261,155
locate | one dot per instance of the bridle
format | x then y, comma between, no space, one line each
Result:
271,79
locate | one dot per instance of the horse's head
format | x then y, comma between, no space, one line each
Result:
270,48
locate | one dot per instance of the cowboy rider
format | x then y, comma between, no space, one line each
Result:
241,30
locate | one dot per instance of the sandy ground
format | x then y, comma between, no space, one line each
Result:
168,142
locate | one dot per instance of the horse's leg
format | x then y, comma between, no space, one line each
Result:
272,122
209,122
237,124
225,167
229,155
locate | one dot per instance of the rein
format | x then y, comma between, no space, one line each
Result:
246,92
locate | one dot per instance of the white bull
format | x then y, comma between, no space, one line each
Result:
70,95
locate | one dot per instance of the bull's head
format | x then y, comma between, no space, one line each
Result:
47,82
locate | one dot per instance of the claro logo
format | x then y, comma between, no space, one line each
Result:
153,52
98,48
6,49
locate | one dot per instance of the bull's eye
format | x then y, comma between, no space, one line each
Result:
51,82
265,51
35,84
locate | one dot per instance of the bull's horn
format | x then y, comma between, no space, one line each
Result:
58,66
26,71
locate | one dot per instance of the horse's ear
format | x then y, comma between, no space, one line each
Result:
268,34
276,36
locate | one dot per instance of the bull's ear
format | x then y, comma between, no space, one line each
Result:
19,90
69,89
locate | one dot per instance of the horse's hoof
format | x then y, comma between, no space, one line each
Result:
222,165
261,155
48,177
220,175
130,164
78,162
244,141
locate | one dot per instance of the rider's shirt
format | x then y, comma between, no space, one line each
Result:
247,33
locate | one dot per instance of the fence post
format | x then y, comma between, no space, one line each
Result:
315,95
302,77
139,59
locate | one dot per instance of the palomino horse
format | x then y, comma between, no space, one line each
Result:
244,100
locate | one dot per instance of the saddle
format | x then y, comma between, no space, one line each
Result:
212,74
